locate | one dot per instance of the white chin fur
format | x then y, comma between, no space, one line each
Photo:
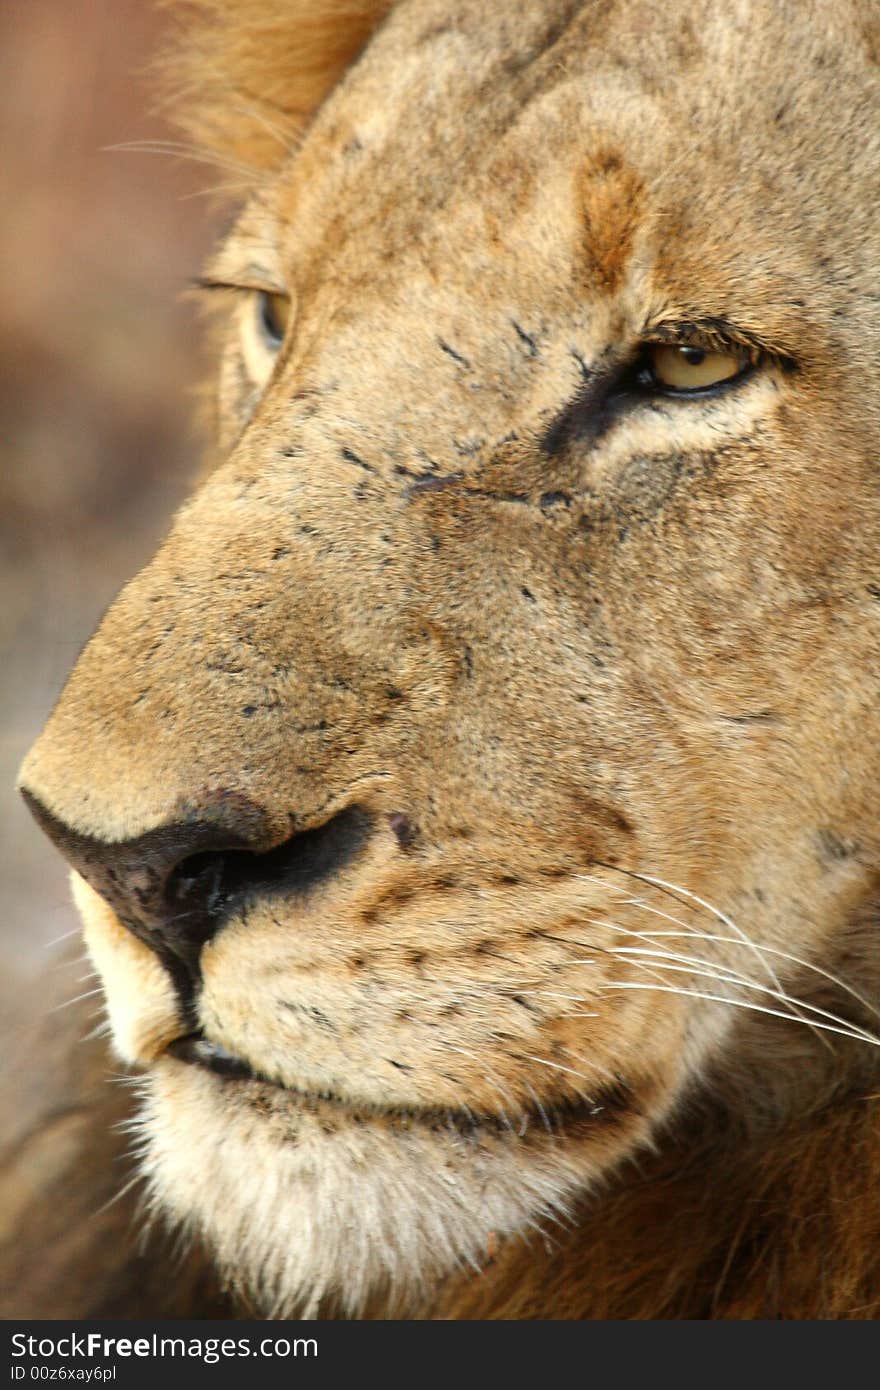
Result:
303,1203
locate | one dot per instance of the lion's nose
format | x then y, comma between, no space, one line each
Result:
176,885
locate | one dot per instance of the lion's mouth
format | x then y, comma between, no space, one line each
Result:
198,1051
608,1106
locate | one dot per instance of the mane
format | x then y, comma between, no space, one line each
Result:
242,80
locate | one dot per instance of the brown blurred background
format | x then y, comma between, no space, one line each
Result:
98,358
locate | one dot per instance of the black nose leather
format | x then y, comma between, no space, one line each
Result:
174,887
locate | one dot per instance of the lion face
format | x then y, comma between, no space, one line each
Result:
499,713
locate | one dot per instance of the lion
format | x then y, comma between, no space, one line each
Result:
473,805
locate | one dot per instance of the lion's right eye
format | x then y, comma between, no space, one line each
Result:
265,319
681,369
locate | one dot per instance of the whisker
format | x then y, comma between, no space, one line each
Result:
554,994
65,936
769,950
77,999
680,893
178,149
662,961
218,190
506,1095
100,1030
686,894
68,962
118,1196
557,1066
595,1066
536,1102
284,137
739,1004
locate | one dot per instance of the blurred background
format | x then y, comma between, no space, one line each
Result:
98,362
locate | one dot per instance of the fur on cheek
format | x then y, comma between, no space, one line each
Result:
299,1209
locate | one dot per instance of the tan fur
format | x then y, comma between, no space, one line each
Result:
594,666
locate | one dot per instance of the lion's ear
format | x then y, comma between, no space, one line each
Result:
243,76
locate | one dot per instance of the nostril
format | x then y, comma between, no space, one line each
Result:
216,884
196,884
175,886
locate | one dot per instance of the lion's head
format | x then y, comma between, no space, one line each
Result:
497,725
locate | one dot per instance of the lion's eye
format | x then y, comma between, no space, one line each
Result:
673,367
263,324
274,312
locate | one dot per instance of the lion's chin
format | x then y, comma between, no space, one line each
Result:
309,1207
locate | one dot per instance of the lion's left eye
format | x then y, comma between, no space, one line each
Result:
274,315
263,325
682,368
